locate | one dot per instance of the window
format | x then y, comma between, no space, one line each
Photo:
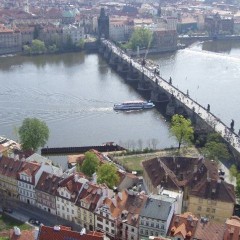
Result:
152,225
99,219
62,207
72,211
213,210
162,227
142,222
112,224
199,208
146,232
107,222
107,229
67,209
157,225
99,226
147,223
112,231
132,237
141,231
151,233
208,209
132,229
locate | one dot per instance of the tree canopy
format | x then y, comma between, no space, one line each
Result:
182,129
37,47
141,38
216,151
215,148
33,134
90,164
107,173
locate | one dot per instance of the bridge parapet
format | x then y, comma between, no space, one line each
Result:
183,99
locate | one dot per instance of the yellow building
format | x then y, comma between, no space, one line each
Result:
213,199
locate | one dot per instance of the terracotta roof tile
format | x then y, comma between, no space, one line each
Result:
209,231
48,233
10,167
232,227
183,225
215,190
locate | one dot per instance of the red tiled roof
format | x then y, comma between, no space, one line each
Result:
209,231
215,190
10,167
232,228
48,233
183,225
48,183
71,185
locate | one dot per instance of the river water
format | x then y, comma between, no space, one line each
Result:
75,92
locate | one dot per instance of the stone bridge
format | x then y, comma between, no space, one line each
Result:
144,77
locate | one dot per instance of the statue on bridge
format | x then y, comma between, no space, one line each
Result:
208,107
170,80
187,93
232,125
143,62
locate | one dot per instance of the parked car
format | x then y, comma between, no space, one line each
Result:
7,210
34,221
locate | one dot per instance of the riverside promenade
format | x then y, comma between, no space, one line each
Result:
205,114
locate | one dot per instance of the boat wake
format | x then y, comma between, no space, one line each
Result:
212,54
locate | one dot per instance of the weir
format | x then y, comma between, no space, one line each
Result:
146,79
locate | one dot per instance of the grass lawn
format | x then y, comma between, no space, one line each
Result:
133,162
7,223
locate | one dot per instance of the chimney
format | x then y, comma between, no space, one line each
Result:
36,232
83,231
57,228
17,231
120,195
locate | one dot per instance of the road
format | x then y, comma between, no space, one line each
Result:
23,211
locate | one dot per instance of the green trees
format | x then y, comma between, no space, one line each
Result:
80,44
141,38
107,173
37,47
215,148
33,134
90,164
182,129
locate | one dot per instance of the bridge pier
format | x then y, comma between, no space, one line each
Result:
162,92
113,61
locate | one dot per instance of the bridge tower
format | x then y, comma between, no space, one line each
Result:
103,25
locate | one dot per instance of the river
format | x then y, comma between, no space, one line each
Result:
75,92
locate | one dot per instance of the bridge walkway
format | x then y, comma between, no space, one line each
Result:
230,136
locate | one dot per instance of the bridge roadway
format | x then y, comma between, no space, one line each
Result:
230,136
